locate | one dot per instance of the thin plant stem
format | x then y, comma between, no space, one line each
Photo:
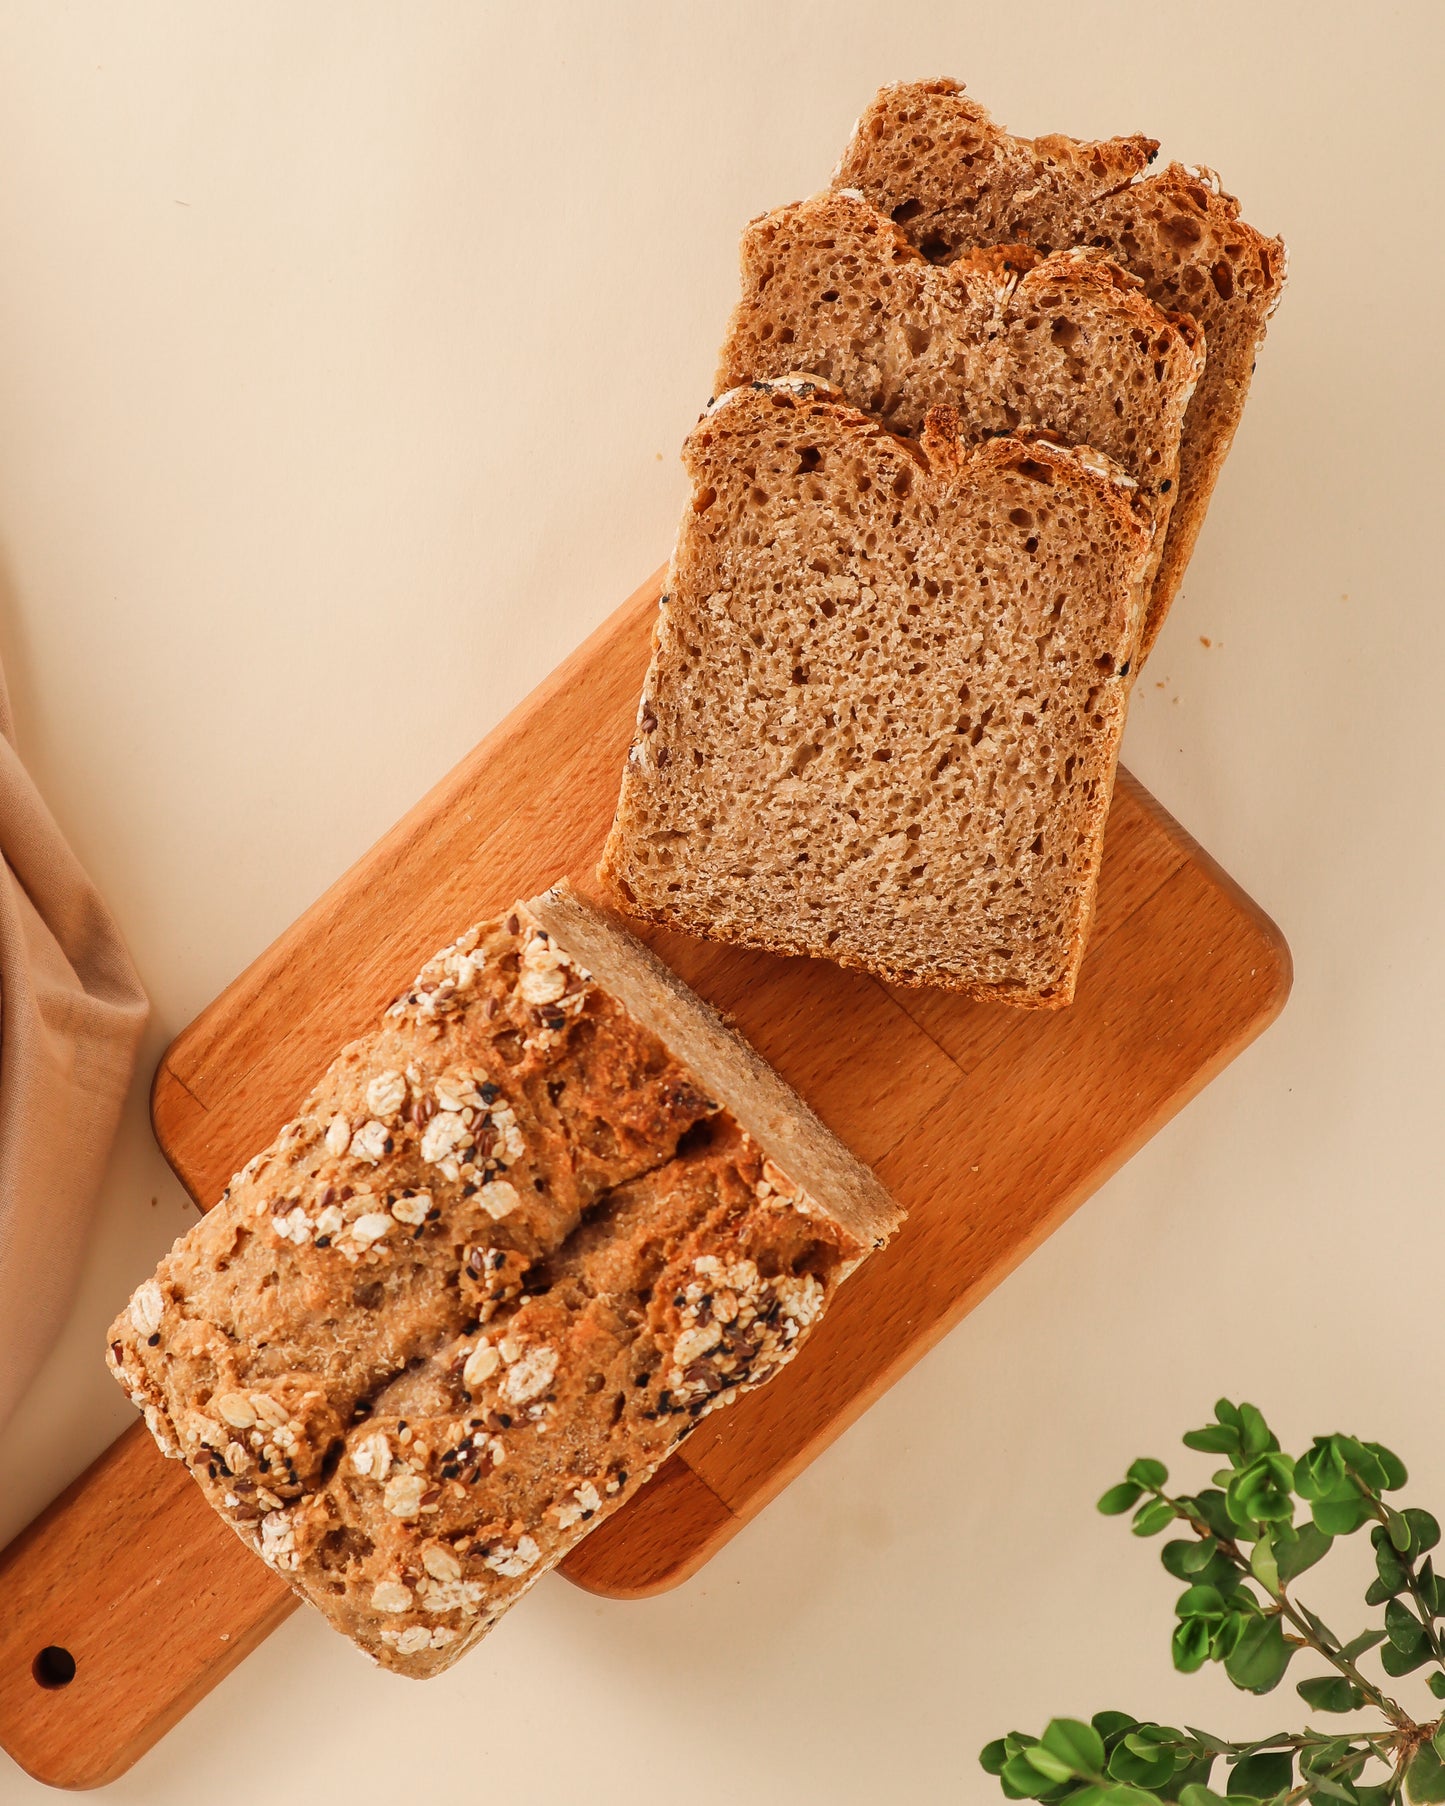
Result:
1381,1701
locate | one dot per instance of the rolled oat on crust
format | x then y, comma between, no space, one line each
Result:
508,1253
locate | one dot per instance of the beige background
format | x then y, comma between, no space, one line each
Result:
344,354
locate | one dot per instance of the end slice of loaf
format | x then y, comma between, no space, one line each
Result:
934,161
1067,344
515,1245
882,717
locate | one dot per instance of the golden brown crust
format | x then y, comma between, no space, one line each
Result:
502,1261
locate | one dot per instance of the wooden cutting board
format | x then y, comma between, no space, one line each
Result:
989,1124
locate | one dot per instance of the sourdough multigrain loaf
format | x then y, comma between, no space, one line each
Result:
883,713
942,169
1068,344
516,1243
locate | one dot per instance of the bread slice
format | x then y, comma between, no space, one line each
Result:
943,170
883,713
1068,344
517,1242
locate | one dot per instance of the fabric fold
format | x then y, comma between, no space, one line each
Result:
72,1011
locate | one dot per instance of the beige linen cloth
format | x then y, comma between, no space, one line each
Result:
71,1014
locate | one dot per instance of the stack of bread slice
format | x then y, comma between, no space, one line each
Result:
972,403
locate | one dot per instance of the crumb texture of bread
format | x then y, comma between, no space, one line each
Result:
510,1251
1067,344
883,713
953,180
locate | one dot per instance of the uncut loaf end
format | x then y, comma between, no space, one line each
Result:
515,1244
883,712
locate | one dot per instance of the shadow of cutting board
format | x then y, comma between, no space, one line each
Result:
989,1124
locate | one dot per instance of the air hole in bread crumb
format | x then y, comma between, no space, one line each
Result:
809,458
704,499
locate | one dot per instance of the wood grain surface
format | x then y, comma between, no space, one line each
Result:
990,1125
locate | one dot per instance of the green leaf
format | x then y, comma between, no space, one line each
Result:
1319,1471
1152,1517
1257,1663
1077,1745
1424,1530
1271,1771
1425,1777
1295,1552
1186,1558
1051,1767
1212,1507
1147,1473
1399,1528
1190,1645
1330,1693
992,1756
1261,1494
1340,1517
1360,1645
1395,1474
1436,1684
1121,1498
1197,1795
1208,1741
1256,1433
1141,1764
1403,1628
1263,1565
1364,1464
1021,1780
1213,1439
1199,1602
1109,1724
1391,1570
1326,1787
1396,1662
1199,1561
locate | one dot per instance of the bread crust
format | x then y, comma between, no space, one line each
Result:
754,808
1067,343
933,160
506,1256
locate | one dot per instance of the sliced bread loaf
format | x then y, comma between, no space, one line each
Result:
515,1244
883,713
943,170
1068,344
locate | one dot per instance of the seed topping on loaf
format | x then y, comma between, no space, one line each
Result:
466,1302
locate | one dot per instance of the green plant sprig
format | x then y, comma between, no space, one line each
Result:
1249,1542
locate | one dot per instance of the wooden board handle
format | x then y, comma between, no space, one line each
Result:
125,1602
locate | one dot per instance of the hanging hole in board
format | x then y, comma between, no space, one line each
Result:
53,1667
